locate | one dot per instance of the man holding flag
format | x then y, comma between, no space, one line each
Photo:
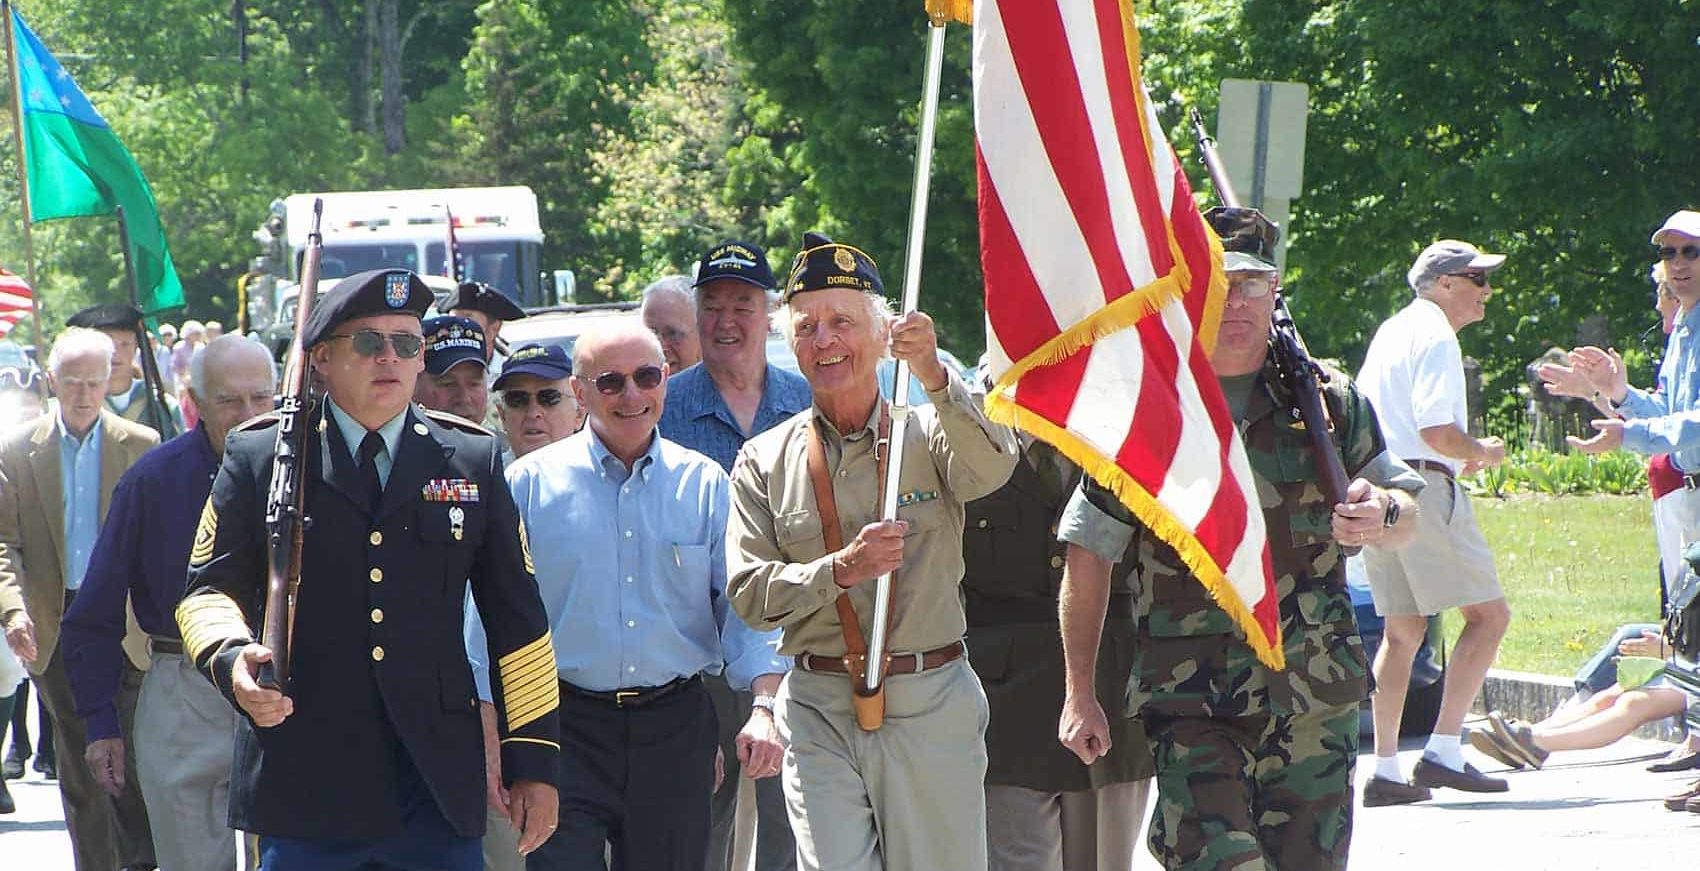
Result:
1254,765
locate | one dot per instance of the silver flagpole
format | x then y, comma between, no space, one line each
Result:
900,409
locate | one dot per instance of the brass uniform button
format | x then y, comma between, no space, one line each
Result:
376,538
377,654
1056,562
377,615
376,574
982,523
420,428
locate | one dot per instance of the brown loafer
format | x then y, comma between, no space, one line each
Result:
1518,739
1487,743
1433,774
1679,802
1381,792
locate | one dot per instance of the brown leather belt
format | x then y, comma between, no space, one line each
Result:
901,663
157,644
1432,466
636,696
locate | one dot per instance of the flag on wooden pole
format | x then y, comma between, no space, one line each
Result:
1104,288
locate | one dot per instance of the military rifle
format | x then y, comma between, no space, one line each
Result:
1298,370
286,501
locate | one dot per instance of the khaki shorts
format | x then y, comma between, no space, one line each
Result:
1447,565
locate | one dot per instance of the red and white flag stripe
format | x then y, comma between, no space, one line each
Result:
1104,289
16,299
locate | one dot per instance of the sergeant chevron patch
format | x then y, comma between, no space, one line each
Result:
205,534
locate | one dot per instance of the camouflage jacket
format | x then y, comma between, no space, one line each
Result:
1182,666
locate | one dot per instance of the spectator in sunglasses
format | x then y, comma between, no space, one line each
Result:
536,398
455,351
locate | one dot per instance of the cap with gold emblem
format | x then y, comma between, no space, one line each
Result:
823,264
378,292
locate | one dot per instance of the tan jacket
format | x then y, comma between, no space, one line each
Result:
32,523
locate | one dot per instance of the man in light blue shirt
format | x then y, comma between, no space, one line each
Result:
733,395
629,534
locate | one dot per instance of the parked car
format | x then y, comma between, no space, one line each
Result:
1428,671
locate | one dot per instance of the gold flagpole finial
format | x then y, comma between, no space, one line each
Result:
942,11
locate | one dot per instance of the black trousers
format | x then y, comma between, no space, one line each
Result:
634,778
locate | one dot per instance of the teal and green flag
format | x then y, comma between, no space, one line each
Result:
77,168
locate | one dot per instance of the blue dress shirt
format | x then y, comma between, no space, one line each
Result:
142,553
696,416
79,482
631,566
1668,421
353,433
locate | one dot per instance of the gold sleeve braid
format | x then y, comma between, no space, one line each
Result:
529,682
209,619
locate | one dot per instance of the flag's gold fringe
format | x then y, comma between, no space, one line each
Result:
1001,408
1116,316
952,10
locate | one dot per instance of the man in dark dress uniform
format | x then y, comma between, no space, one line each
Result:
372,756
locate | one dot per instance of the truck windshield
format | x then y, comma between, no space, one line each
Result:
342,259
495,263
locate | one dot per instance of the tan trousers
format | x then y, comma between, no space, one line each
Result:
1088,830
909,797
185,740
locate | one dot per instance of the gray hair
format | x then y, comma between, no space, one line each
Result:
674,284
621,329
192,328
222,352
79,342
879,312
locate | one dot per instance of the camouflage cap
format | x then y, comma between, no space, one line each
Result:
1248,238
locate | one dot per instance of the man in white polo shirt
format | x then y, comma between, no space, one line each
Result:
1414,376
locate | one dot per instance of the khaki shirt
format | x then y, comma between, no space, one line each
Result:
780,570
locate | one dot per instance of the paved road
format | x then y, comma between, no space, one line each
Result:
1587,810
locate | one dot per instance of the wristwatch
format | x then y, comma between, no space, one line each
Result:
1392,516
764,702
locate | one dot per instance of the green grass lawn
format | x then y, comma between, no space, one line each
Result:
1574,568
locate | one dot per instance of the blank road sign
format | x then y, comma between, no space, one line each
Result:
1260,132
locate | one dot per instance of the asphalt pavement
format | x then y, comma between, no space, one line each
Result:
1597,809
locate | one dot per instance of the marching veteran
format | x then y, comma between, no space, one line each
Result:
909,795
372,755
1253,766
183,734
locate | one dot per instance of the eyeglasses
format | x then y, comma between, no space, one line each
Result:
614,383
1479,279
1253,288
548,397
370,343
1688,252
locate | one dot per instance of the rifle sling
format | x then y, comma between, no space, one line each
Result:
826,504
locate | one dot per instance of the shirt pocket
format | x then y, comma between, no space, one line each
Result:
800,535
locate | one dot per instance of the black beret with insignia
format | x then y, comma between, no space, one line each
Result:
827,265
733,259
481,297
110,316
378,292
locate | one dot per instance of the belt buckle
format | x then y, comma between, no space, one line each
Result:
621,696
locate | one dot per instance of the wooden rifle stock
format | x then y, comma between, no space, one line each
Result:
286,501
1298,371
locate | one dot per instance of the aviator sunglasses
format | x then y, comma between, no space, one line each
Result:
548,397
614,383
1688,252
370,343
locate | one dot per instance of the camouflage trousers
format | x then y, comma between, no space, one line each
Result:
1254,793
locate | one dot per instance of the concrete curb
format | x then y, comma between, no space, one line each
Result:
1533,696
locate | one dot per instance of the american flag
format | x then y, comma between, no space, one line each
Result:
453,267
16,299
1104,289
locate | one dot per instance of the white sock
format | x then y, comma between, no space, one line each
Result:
1446,750
1387,768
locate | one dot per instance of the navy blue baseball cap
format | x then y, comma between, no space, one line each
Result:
549,362
450,341
743,261
378,292
827,265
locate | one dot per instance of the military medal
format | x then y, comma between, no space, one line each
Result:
457,522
